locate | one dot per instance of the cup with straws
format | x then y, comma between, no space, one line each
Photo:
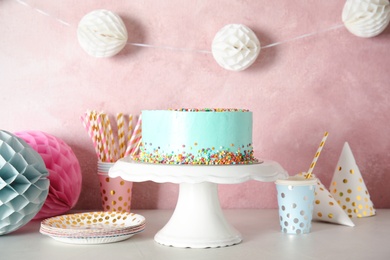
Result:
296,199
113,142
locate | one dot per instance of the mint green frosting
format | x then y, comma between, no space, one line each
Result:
170,132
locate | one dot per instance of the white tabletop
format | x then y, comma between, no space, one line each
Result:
369,239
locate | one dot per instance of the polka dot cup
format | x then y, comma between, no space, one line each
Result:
115,192
296,203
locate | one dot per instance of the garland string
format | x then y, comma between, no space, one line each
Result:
40,11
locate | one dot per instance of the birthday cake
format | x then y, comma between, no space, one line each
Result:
196,136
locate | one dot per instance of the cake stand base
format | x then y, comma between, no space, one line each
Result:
198,220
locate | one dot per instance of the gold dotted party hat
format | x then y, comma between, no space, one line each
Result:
327,209
348,187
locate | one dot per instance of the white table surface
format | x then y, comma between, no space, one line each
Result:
262,239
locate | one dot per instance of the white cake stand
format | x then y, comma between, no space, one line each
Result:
198,220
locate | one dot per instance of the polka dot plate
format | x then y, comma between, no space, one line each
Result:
93,227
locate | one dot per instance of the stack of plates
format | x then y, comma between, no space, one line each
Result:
93,227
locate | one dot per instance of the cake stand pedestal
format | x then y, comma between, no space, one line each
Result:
198,220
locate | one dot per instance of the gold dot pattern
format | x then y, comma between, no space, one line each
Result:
94,224
349,188
79,220
116,194
326,208
320,214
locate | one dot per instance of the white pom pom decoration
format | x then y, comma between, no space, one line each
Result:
366,18
102,33
235,47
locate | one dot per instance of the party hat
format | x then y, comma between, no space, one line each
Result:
327,209
348,187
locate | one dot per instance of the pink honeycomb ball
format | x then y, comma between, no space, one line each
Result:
64,172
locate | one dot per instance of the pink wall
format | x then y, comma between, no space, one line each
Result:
333,81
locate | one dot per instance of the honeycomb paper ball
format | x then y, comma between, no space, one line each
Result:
24,185
102,33
366,18
64,168
235,47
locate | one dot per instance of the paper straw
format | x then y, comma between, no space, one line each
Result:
88,121
112,147
121,134
313,163
97,137
103,137
135,138
109,145
138,142
87,125
129,128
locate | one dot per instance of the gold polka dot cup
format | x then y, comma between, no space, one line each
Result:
115,192
296,203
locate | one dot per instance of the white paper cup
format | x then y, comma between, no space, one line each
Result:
296,203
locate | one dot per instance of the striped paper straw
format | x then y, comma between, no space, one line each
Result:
121,134
92,117
136,148
97,137
112,142
103,137
135,138
88,127
129,128
112,147
313,163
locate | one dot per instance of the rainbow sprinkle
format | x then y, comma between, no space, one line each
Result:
204,156
210,110
242,154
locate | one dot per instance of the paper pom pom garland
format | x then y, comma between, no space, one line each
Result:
24,185
102,33
348,187
64,168
235,47
366,18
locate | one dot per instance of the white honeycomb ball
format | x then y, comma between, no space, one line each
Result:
235,47
366,18
102,33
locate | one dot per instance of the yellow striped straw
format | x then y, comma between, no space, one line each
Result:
97,135
121,134
113,149
313,163
103,137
